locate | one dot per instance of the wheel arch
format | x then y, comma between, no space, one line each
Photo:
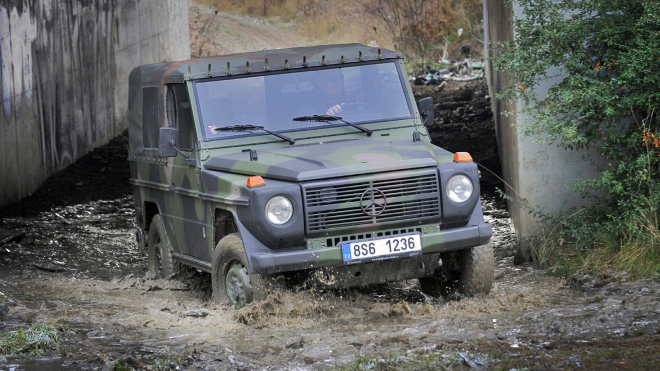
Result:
150,209
224,223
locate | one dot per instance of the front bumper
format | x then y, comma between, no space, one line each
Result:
434,240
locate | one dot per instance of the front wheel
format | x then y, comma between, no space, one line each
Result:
469,271
478,270
230,273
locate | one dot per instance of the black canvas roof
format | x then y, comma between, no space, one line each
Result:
260,61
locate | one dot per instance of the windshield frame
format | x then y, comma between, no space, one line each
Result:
246,134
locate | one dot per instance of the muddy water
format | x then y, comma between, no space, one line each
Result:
79,265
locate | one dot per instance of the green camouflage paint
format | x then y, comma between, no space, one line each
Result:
195,196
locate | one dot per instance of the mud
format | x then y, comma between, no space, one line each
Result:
78,265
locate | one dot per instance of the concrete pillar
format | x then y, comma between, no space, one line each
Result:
64,69
539,175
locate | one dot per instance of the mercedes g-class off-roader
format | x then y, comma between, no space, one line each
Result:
311,160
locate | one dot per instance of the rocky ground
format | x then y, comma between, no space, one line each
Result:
78,265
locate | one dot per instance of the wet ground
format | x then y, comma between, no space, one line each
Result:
78,265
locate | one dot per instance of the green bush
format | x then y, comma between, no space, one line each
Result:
604,59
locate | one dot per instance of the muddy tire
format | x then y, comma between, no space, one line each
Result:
468,272
477,270
230,274
159,252
141,240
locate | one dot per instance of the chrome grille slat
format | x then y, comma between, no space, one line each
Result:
336,204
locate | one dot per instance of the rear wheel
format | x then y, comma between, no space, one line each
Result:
232,281
158,250
141,240
469,272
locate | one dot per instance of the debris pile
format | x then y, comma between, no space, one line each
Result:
467,70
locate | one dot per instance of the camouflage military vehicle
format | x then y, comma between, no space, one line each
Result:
312,160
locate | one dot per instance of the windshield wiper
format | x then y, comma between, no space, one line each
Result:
328,118
254,127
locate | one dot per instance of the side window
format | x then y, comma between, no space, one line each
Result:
179,115
150,124
171,107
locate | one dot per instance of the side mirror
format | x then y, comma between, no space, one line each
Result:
167,142
425,106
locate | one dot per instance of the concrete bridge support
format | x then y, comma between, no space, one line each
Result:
64,77
537,175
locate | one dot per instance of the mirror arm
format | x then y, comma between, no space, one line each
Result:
178,150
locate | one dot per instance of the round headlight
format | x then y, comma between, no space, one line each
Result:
279,210
459,188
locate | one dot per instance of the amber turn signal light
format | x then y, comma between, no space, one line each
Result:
462,157
255,181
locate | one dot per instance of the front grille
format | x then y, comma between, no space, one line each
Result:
409,196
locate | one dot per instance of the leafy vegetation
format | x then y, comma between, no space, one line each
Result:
603,57
32,341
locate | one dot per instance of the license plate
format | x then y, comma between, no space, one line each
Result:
382,248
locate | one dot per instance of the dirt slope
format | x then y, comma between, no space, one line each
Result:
222,33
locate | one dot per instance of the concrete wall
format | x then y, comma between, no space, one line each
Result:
539,175
64,77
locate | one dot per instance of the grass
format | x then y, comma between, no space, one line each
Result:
119,367
32,341
167,363
639,257
632,251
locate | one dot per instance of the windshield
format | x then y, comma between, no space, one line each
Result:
359,94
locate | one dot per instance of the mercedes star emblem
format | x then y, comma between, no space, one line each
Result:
376,202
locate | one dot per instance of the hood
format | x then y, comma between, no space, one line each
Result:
299,163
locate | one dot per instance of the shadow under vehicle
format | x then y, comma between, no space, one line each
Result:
310,160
